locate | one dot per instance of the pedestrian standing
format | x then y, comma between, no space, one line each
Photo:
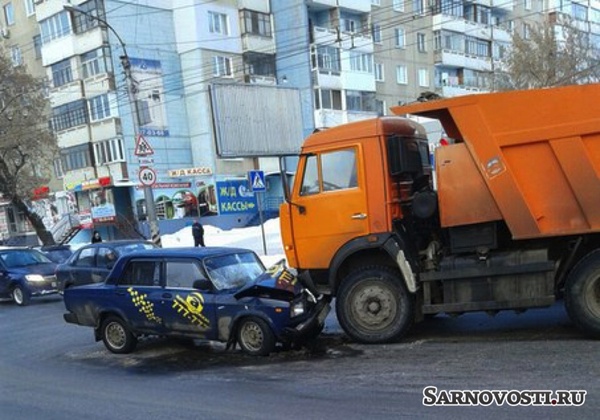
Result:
198,233
96,237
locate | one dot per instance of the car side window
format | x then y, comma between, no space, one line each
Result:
85,258
183,274
141,273
105,258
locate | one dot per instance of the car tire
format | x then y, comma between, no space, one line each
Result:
374,306
20,296
117,336
255,337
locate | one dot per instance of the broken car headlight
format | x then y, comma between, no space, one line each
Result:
297,308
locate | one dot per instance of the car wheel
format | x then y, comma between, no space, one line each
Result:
20,296
255,337
116,335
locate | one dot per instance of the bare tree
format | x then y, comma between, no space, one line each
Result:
554,53
27,145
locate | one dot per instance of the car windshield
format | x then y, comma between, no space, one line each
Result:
22,258
233,271
126,249
58,255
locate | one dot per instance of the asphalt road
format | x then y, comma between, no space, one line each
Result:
53,370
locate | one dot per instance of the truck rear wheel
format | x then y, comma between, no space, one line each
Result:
582,295
374,306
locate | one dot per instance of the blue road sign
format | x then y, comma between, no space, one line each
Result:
257,181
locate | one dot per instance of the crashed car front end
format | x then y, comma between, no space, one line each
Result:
307,312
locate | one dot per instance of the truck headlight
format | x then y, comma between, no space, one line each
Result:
297,308
34,278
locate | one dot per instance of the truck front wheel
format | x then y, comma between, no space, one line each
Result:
373,305
582,295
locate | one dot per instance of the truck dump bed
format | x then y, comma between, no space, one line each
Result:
529,157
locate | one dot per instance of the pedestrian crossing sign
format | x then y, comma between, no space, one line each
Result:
257,181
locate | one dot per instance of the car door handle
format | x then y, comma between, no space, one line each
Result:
358,216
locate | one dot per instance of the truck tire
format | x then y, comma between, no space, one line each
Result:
374,306
116,335
582,295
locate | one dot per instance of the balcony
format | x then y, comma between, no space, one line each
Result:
257,79
458,59
262,44
66,93
470,28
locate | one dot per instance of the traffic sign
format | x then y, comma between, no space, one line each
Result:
147,176
257,181
142,147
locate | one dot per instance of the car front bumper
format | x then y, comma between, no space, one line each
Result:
311,326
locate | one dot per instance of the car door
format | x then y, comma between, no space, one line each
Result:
138,294
187,310
330,206
81,268
102,265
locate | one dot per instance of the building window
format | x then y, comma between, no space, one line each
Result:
62,73
361,62
258,64
418,6
58,168
360,101
55,27
379,76
527,4
76,157
217,23
328,59
400,38
29,7
109,151
69,115
82,21
256,23
380,107
328,99
95,62
398,5
526,31
222,66
37,46
423,75
99,107
350,25
9,14
421,42
376,2
401,75
15,56
377,33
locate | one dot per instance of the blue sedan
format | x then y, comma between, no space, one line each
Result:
222,294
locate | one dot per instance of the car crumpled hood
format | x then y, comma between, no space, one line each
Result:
277,282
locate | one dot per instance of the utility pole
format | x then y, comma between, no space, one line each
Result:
132,90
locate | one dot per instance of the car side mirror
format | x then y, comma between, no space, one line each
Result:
202,284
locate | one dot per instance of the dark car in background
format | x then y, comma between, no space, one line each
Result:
222,294
24,273
56,253
92,263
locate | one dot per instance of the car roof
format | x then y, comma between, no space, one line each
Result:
191,252
116,242
17,248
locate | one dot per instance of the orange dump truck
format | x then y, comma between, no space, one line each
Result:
514,221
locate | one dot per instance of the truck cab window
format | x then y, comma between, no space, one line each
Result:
310,181
339,170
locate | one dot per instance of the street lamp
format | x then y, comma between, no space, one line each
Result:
132,93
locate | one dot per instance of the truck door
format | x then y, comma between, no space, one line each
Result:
330,205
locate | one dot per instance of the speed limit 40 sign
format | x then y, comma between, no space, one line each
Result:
147,176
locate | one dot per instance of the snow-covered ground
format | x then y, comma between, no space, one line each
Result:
249,237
